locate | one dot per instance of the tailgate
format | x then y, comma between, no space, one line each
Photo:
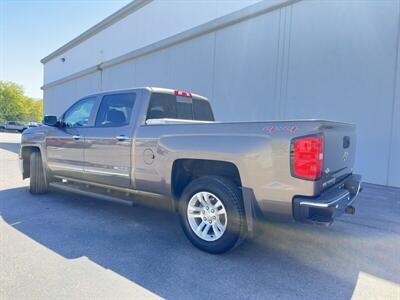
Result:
339,151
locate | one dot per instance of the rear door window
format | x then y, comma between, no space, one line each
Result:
115,110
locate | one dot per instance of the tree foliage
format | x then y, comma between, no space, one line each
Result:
16,106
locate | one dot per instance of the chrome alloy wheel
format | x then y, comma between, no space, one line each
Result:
207,216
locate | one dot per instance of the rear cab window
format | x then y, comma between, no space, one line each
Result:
168,106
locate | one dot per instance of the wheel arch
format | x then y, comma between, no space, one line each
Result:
26,152
186,170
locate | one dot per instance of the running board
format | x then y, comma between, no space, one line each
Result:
85,192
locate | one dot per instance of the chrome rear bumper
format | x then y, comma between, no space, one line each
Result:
330,204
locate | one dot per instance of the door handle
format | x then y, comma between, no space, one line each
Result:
121,137
76,137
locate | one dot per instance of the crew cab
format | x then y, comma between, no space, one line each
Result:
220,177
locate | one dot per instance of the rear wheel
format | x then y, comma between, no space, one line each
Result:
211,214
38,184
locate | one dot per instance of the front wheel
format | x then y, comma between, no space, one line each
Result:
38,183
211,213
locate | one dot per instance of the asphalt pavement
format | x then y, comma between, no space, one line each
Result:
59,246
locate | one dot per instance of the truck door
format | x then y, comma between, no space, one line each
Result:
64,145
109,142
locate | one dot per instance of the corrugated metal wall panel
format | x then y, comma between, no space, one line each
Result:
190,65
394,161
246,69
342,58
60,97
119,76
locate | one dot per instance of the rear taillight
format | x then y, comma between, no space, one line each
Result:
307,157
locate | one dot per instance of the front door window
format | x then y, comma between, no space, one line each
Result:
79,113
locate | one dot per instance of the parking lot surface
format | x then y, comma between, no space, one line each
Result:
59,246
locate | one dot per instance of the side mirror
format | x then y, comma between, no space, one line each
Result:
50,121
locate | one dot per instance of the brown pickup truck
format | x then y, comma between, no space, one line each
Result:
220,177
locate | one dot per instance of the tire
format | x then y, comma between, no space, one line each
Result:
211,238
38,184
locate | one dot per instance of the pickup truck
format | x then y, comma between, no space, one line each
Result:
220,177
12,125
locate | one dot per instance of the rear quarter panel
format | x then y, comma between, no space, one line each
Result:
260,151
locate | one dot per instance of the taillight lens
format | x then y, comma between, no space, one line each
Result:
308,157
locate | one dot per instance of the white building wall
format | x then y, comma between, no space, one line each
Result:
157,20
394,160
335,60
60,97
344,70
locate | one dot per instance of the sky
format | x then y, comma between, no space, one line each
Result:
30,30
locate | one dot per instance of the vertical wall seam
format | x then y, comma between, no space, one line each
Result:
101,80
213,68
276,98
213,99
287,62
282,61
168,68
100,69
395,92
134,68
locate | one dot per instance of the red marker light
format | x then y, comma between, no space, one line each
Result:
183,93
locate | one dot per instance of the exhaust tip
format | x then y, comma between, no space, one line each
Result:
351,210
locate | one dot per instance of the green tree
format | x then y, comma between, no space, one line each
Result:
37,114
16,106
